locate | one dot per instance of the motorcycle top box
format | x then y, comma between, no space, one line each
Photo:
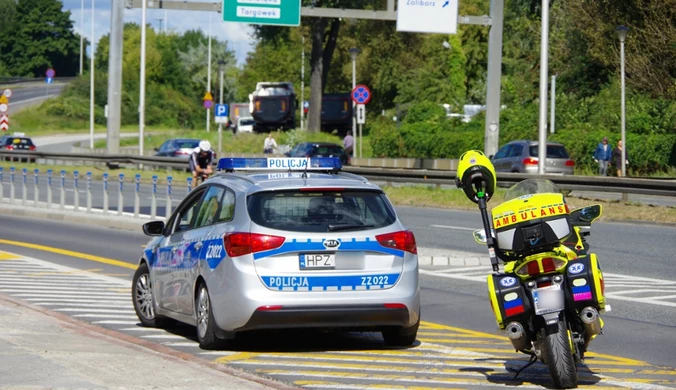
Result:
531,223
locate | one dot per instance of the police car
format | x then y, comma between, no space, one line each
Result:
281,243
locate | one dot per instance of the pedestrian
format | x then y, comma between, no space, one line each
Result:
602,156
617,158
269,144
348,143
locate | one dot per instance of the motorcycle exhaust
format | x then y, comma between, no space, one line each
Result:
517,336
592,323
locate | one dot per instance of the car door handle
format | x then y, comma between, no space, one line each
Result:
198,245
174,249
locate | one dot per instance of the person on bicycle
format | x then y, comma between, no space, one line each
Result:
200,162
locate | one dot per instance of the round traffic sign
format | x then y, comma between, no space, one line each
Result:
3,107
7,93
361,94
208,104
50,73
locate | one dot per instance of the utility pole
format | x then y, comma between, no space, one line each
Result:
544,70
142,86
552,109
302,82
81,34
209,73
115,76
494,79
91,87
221,64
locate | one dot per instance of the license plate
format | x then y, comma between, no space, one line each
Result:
317,261
548,299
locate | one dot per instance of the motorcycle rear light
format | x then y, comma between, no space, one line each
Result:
394,306
548,265
544,283
530,161
238,244
570,163
533,268
403,240
269,308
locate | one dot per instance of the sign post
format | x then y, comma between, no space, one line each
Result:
428,16
271,12
361,94
208,102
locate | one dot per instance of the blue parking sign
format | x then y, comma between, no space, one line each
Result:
221,110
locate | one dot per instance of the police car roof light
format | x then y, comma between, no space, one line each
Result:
280,164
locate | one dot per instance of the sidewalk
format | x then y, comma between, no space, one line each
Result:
40,349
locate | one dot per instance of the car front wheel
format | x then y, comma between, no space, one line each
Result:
142,296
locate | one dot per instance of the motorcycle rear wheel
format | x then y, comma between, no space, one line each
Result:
559,356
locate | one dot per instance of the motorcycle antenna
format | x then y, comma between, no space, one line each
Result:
480,192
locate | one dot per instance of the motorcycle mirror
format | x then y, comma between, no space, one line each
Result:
480,236
586,215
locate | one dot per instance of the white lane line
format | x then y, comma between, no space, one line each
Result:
454,227
114,322
464,270
640,300
52,295
61,283
118,302
64,287
631,278
97,305
87,310
134,329
163,336
182,344
122,317
455,276
219,353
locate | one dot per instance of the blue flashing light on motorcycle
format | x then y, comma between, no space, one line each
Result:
550,292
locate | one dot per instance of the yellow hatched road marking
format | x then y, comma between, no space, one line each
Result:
65,252
459,335
472,342
432,325
7,256
375,386
237,356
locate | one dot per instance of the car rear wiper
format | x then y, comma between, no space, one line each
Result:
335,228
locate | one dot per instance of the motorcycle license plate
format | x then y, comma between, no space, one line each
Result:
548,299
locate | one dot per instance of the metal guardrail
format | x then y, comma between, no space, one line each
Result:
641,186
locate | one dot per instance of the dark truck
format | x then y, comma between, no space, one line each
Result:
337,113
273,106
238,110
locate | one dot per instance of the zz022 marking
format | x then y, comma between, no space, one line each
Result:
374,280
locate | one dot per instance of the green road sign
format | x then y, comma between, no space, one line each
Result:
272,12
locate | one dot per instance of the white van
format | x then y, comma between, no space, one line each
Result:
245,124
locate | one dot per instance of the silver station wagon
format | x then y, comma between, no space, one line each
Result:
281,243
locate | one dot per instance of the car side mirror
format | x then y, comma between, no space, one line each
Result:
156,149
490,157
153,228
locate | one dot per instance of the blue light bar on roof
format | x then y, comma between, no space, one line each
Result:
280,163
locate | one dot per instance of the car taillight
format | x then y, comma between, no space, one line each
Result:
10,147
238,244
403,240
570,163
32,147
180,153
530,161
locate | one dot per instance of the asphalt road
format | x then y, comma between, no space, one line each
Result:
29,96
638,330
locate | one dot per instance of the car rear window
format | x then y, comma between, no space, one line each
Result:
184,144
553,151
19,141
321,211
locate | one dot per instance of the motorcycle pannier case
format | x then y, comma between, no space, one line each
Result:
584,280
508,299
531,223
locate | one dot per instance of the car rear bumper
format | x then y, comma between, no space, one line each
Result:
533,170
348,316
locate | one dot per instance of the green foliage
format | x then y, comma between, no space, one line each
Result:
425,112
37,35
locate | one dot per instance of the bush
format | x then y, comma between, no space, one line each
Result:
425,112
385,139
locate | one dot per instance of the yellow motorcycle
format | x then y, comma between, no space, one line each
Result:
550,292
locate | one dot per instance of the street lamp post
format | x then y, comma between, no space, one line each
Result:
142,82
91,86
81,33
353,52
221,64
622,35
209,73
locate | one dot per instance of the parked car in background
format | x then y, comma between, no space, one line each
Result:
245,124
522,157
18,142
177,147
319,149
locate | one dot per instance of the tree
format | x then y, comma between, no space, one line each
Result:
42,38
9,20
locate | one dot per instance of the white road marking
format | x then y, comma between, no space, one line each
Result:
114,322
82,305
120,302
122,317
163,336
89,310
454,227
52,294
